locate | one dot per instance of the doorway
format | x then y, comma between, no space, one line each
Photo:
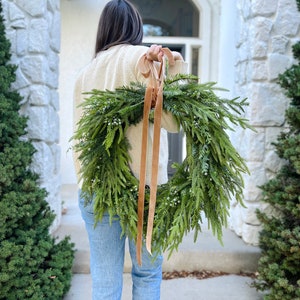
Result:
173,24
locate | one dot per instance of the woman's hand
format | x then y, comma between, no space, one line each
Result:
155,53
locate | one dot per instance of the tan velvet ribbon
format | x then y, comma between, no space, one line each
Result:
153,98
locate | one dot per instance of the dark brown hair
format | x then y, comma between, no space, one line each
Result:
120,23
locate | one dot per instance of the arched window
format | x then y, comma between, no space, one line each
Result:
169,18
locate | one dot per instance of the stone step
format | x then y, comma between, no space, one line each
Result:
207,253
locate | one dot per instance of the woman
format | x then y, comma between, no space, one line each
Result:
118,52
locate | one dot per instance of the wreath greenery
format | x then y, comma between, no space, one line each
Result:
203,184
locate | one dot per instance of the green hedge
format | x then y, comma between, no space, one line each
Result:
32,264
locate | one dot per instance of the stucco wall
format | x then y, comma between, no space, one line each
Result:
78,31
33,27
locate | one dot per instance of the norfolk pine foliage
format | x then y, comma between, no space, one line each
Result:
279,265
204,182
32,265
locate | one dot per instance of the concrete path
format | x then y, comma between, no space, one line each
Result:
206,254
231,287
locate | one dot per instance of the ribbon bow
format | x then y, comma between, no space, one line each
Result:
153,98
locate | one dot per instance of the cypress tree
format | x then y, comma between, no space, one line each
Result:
32,264
279,265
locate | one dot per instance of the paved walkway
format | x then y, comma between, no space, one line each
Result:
206,254
229,287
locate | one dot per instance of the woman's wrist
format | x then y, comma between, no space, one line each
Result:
177,55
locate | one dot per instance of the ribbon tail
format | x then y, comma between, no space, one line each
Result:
155,160
141,194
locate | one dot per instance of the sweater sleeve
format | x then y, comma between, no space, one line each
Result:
180,67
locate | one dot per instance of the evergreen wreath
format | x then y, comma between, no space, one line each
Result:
206,180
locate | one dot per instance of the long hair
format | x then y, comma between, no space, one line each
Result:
119,23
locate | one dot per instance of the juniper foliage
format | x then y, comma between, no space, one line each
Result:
32,265
279,265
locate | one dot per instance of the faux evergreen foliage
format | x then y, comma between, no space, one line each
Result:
209,176
32,265
279,266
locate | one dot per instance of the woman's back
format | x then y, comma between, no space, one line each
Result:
112,68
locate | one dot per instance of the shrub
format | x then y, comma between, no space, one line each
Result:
32,264
279,265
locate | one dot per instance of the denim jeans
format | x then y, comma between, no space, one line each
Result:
107,249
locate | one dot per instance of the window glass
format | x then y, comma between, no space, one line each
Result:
169,17
155,30
195,61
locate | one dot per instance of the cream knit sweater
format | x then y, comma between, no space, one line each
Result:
117,67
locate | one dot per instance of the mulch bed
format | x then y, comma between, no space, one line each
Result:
202,274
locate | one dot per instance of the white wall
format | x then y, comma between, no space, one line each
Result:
264,34
227,50
79,21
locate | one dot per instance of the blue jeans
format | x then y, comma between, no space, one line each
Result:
107,249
